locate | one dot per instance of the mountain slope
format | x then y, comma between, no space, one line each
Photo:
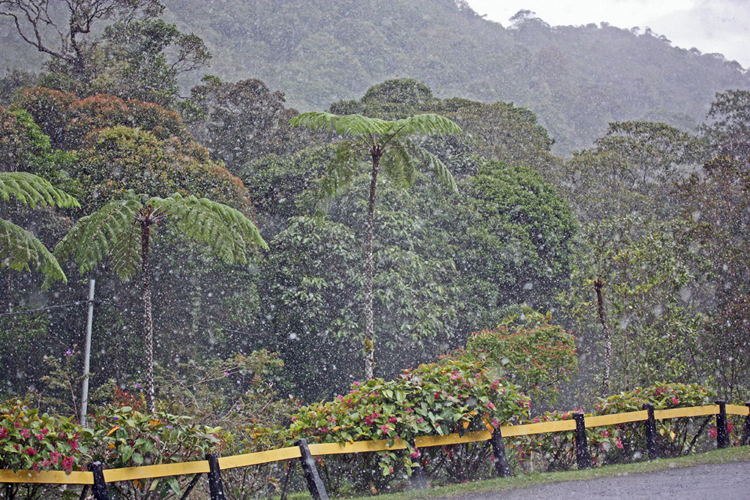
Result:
576,79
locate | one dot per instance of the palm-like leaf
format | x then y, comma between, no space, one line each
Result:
20,250
107,232
226,230
31,190
111,231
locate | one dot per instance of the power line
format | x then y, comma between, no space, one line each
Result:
59,306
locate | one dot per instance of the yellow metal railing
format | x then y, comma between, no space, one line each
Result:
198,467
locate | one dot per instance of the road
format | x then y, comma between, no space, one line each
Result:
730,481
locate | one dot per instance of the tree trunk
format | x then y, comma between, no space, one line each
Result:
368,344
598,285
148,326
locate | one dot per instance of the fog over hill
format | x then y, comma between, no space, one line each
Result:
576,79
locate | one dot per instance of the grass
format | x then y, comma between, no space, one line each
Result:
737,454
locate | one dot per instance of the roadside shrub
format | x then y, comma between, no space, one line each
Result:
433,399
675,437
124,437
528,351
555,451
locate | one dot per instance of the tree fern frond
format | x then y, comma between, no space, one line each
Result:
226,230
355,125
31,190
20,250
398,165
437,167
108,231
428,124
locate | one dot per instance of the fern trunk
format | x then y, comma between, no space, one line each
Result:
369,345
148,326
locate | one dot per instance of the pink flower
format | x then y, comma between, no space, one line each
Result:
495,385
392,420
30,451
45,431
67,464
25,433
490,405
384,428
495,423
675,401
618,443
713,432
415,454
356,384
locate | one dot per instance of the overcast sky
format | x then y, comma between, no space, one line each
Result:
721,26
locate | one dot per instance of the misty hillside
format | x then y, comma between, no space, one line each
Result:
576,79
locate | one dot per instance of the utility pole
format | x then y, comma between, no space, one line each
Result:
87,355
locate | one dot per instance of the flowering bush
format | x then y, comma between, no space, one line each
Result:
528,351
123,437
33,441
675,436
555,451
434,399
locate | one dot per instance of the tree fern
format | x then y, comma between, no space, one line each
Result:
387,145
121,230
19,249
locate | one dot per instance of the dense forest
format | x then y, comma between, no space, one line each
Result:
228,233
576,79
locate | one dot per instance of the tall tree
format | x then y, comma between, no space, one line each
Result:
19,249
122,230
114,46
387,144
62,35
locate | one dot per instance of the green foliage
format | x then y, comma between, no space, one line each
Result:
111,231
241,122
727,129
675,437
20,250
716,205
435,399
142,60
653,274
529,352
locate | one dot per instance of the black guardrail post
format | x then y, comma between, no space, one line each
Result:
722,432
314,483
100,486
215,484
650,425
502,467
746,428
418,479
583,457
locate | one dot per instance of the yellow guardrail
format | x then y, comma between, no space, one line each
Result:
199,467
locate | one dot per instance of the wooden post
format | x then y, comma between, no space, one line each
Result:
100,486
746,429
215,485
314,483
502,467
650,425
722,431
583,457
